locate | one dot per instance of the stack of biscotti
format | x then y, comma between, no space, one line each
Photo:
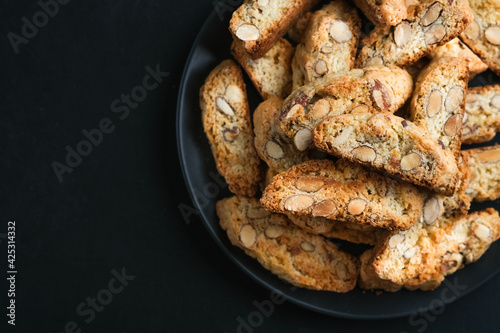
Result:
360,144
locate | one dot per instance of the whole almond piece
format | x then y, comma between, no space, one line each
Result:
434,103
247,32
492,34
298,202
248,236
340,31
432,14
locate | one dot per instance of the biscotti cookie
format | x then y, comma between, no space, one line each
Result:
384,12
271,74
227,124
351,232
420,257
483,34
484,169
482,114
258,24
303,259
329,44
431,24
359,90
278,154
438,101
345,192
391,144
456,48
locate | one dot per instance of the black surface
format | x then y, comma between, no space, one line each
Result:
120,206
206,191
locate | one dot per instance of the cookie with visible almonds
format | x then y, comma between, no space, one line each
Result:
279,154
345,192
301,258
456,48
351,232
484,169
438,101
271,74
329,43
483,33
391,144
431,24
420,258
258,24
385,12
226,121
482,114
375,89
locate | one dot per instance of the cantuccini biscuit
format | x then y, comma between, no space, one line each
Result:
420,257
301,258
431,24
329,43
226,121
483,33
258,24
482,114
484,169
391,144
271,74
345,192
438,101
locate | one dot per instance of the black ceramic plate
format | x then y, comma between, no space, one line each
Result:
210,48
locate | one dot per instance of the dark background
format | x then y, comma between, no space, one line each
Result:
119,207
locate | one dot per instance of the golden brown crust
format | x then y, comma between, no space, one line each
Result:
420,257
329,43
272,74
345,192
482,114
303,259
431,24
482,34
484,169
391,144
226,121
438,101
257,25
456,48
